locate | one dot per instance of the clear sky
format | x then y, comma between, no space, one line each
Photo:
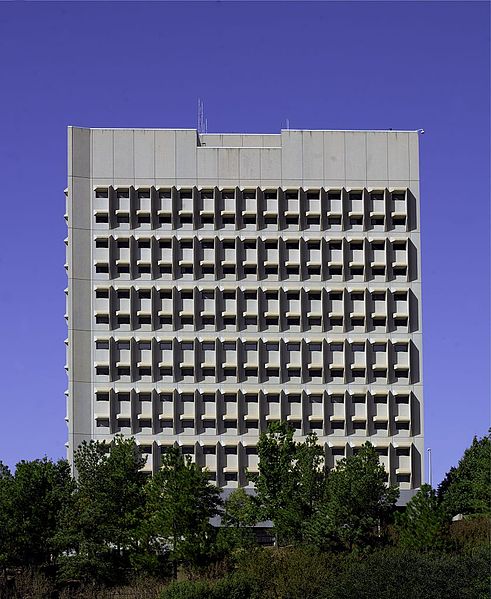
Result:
322,66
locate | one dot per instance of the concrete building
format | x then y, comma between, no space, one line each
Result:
220,282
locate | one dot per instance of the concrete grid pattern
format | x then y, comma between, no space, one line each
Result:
220,282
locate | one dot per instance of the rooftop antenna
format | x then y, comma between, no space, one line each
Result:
202,122
288,124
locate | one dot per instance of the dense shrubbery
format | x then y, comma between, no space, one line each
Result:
337,533
388,573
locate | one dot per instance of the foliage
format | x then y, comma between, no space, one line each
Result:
68,537
239,510
471,533
356,503
287,572
180,503
289,481
232,586
238,518
187,589
7,523
466,489
392,573
100,522
30,504
423,525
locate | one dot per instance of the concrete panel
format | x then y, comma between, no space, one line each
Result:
144,154
210,183
312,183
270,183
398,156
334,155
80,370
414,156
207,163
356,155
270,163
79,210
231,141
81,313
78,152
291,155
272,141
355,183
186,154
165,154
81,423
80,251
228,163
124,154
250,163
210,139
102,153
377,167
334,183
252,141
313,155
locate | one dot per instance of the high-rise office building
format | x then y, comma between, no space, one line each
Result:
219,282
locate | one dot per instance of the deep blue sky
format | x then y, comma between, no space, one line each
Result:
321,65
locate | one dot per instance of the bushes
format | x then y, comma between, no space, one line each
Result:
187,589
233,586
392,573
385,574
471,532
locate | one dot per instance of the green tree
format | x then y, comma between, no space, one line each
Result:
30,506
6,518
99,531
239,510
289,481
357,502
466,489
238,519
180,503
423,525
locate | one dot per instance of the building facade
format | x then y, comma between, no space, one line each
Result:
217,283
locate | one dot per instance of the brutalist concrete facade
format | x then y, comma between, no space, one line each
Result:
219,282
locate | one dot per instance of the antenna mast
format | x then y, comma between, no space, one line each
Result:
202,121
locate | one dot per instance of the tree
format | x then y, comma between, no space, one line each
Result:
289,481
238,519
466,489
356,502
423,526
6,517
99,531
180,503
31,501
